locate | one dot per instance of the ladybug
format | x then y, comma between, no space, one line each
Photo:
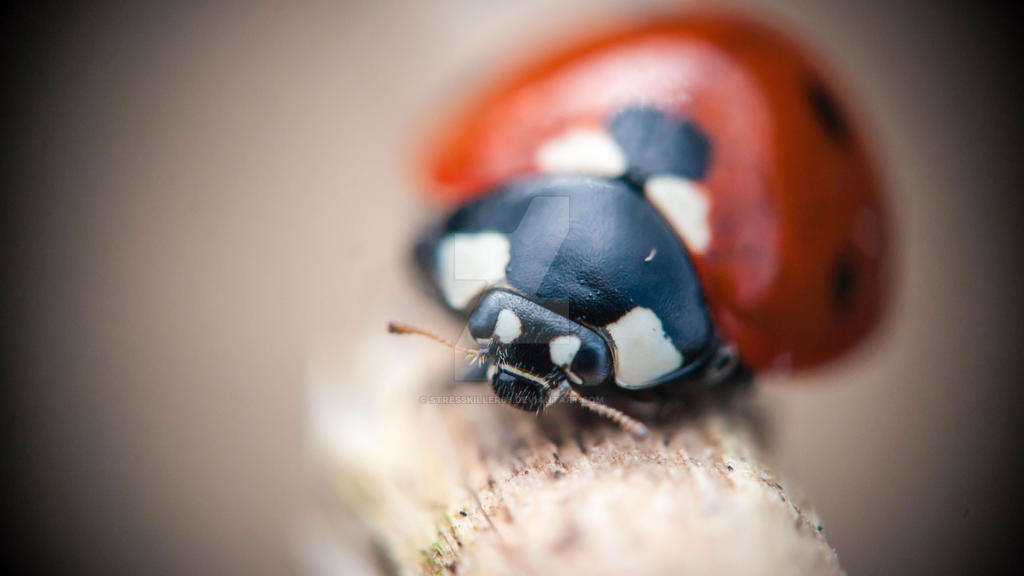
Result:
666,204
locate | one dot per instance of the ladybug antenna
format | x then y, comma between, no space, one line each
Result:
631,425
397,328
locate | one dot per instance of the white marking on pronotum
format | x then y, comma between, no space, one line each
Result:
684,204
644,350
563,350
582,151
468,263
508,327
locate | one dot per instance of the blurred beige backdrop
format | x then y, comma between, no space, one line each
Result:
211,198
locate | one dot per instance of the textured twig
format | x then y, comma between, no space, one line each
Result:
448,485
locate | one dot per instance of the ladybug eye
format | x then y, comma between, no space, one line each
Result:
843,282
827,112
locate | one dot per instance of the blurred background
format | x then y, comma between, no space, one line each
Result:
205,204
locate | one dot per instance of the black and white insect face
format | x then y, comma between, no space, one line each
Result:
589,256
534,352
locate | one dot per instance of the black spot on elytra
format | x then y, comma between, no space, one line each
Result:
655,143
827,111
843,282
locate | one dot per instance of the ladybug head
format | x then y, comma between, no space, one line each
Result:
536,356
529,341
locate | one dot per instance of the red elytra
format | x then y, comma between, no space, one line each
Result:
794,274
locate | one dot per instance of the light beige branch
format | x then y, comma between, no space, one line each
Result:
474,488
